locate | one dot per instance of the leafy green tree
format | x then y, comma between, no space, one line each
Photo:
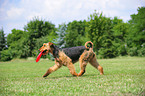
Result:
96,29
136,34
107,50
15,48
108,35
37,29
100,33
14,36
23,44
17,42
75,34
120,31
137,28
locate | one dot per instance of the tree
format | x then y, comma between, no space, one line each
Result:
75,34
15,36
2,40
137,28
18,44
136,34
100,32
26,43
120,31
61,35
37,29
96,29
107,50
14,45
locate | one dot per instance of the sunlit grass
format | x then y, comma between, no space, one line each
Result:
123,76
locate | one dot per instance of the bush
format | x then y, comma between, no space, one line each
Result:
132,51
122,50
141,52
137,51
6,55
107,53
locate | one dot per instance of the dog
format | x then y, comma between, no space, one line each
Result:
69,56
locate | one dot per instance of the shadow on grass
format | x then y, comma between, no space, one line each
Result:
84,76
58,77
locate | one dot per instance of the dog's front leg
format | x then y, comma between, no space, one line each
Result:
52,69
72,69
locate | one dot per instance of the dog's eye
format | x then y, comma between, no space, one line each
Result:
44,45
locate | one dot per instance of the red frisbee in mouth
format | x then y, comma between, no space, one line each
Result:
39,56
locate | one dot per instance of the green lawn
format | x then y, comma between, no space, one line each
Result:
123,76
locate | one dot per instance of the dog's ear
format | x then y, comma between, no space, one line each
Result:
51,44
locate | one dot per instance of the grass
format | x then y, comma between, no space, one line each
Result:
123,76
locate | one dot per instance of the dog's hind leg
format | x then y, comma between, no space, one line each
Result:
83,63
94,63
83,67
52,69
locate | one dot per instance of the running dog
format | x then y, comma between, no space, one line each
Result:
69,56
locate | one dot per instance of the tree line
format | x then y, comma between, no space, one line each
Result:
111,36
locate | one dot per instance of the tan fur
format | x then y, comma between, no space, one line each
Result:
66,61
84,59
94,63
52,69
63,58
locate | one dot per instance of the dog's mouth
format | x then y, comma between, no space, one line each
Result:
44,52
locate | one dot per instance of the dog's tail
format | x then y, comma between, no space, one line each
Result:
90,45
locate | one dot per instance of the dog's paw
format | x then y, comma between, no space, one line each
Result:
44,76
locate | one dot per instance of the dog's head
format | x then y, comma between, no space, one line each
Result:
46,48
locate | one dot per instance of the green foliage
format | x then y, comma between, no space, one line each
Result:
120,31
14,36
2,40
141,51
135,51
137,28
23,44
18,44
96,29
132,51
111,36
6,55
37,29
75,34
61,35
136,35
100,32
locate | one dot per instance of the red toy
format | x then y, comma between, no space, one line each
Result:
39,56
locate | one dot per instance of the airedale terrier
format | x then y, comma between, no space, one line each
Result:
69,56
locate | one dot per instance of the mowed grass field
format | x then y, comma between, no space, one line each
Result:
123,76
